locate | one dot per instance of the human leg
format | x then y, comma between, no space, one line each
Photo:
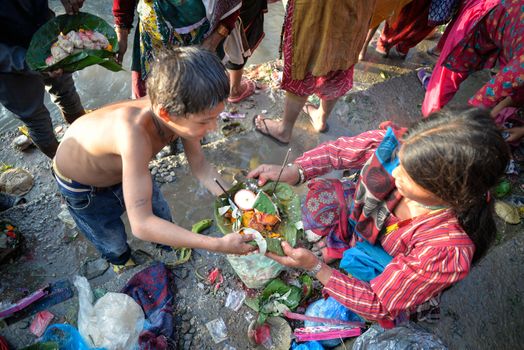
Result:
97,214
30,109
63,93
369,36
239,89
282,129
319,115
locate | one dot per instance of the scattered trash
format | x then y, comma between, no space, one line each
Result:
113,322
66,217
274,334
228,347
66,336
10,241
276,298
40,322
326,333
384,75
215,277
94,268
332,309
232,115
409,336
507,212
249,317
264,111
184,254
232,128
217,329
39,300
235,299
512,168
22,142
502,188
16,181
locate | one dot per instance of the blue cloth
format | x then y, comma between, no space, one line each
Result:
97,214
365,261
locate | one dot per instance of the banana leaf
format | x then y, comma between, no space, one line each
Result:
288,204
40,46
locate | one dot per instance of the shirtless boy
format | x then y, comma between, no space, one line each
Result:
101,166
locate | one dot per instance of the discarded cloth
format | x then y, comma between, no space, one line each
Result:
153,289
40,300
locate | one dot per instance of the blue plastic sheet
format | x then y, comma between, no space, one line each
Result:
67,337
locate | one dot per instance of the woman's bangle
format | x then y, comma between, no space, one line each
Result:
301,175
313,272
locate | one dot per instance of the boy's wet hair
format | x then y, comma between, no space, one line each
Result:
187,80
459,157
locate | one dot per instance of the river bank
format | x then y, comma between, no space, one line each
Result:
481,312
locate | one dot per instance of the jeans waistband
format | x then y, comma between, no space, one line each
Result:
67,183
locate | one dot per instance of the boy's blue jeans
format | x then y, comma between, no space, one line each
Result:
97,213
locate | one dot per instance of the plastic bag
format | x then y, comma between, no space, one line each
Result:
67,337
329,308
114,322
255,270
409,336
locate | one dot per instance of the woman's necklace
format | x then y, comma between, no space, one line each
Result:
434,209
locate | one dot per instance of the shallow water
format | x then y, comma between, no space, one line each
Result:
98,86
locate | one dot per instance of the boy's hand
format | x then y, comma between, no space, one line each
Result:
235,243
295,257
267,172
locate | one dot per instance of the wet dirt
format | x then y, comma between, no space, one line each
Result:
481,312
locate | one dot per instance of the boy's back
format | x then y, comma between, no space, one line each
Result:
91,151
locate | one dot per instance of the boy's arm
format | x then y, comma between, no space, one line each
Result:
138,188
201,168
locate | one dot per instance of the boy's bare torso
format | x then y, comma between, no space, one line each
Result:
90,152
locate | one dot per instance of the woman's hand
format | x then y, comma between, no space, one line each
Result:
295,257
267,172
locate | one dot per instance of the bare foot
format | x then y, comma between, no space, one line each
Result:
313,113
274,129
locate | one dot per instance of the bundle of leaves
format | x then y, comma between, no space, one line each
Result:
40,46
10,241
278,297
288,205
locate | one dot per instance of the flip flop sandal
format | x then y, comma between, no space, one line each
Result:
248,91
307,105
424,77
267,133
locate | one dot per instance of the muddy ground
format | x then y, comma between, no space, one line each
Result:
482,312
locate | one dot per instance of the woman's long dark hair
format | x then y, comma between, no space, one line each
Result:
459,158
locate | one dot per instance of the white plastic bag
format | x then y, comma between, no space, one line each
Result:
114,322
255,270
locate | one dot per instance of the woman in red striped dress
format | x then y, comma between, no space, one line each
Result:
422,196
